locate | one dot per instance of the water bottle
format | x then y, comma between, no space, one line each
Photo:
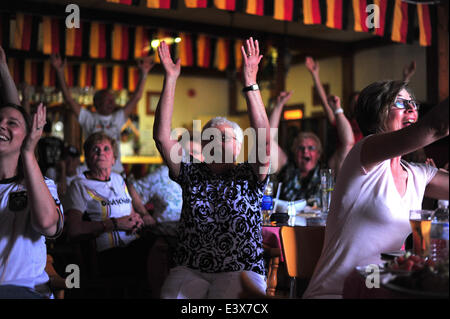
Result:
439,233
267,204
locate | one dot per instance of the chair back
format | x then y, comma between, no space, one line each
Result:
302,247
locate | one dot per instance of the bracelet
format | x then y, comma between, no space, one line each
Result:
114,221
338,111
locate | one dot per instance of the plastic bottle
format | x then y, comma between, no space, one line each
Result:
267,204
439,233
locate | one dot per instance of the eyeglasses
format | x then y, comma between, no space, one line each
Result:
310,148
404,104
225,138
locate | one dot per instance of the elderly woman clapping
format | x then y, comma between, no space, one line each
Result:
369,212
220,224
99,206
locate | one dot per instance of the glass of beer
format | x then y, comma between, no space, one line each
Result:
420,221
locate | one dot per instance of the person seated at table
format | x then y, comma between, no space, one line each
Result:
376,189
99,207
220,226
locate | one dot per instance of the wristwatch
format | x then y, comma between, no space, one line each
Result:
253,87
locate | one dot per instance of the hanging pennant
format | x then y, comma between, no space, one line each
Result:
311,12
126,2
203,51
49,74
85,75
360,15
68,75
185,48
22,32
425,29
74,41
141,42
229,5
30,72
197,3
255,7
380,16
284,10
162,4
120,45
117,78
133,78
50,28
238,54
97,42
101,77
222,58
335,14
400,22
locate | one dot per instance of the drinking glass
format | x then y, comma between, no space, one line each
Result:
326,187
420,221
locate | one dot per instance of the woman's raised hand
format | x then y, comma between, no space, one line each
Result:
57,62
282,98
251,57
312,66
172,69
145,64
335,102
38,122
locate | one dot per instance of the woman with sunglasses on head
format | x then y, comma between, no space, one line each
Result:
29,204
376,189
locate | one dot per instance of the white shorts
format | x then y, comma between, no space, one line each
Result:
187,283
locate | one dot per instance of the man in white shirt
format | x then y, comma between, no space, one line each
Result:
109,117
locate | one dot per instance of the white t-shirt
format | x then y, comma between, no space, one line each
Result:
23,253
101,200
110,124
367,217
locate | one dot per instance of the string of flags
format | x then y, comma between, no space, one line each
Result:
119,44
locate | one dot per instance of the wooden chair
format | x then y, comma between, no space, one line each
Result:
302,247
273,255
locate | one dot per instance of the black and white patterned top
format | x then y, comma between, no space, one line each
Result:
220,224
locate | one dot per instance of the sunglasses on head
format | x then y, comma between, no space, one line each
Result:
404,104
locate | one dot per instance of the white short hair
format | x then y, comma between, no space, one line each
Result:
219,120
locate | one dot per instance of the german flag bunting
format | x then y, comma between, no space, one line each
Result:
311,11
185,48
97,42
85,75
161,36
133,78
425,28
222,57
74,41
22,32
255,7
238,54
229,5
360,15
284,9
141,42
51,35
49,74
30,72
203,51
335,14
68,75
117,77
197,3
400,22
101,77
120,44
162,4
381,17
126,2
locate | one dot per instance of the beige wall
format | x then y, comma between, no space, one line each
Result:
300,81
211,99
388,62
